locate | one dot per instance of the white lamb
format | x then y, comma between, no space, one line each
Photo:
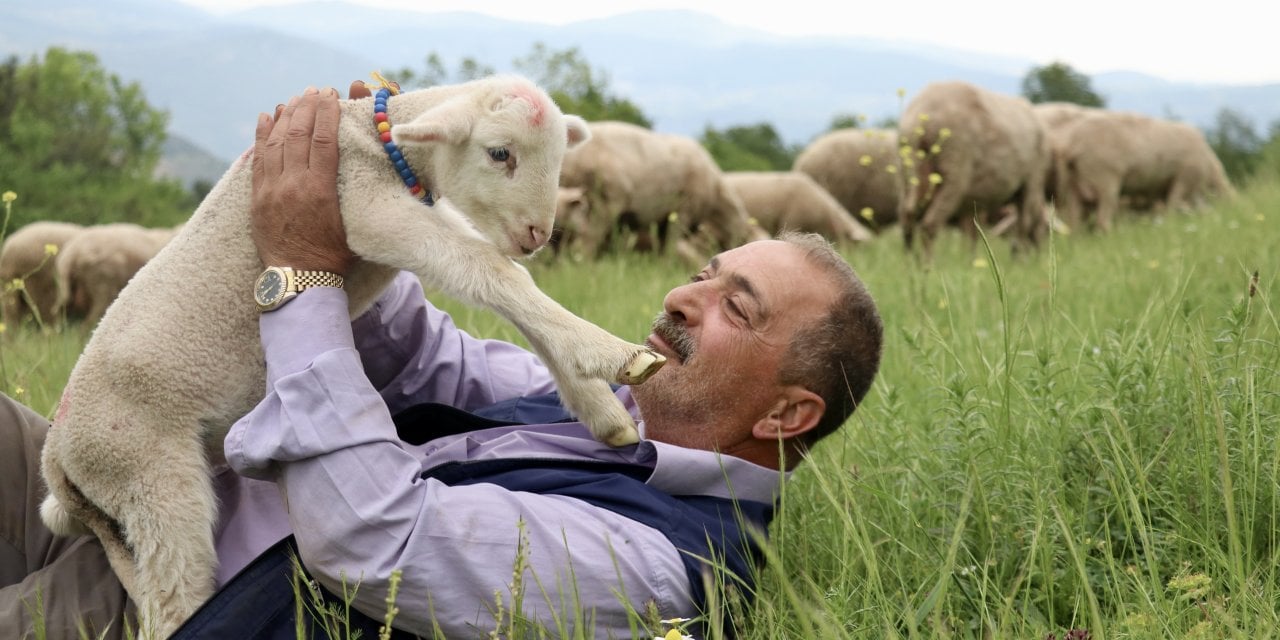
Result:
176,359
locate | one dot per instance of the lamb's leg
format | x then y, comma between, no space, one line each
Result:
582,357
155,520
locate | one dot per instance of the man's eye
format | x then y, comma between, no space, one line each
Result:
698,277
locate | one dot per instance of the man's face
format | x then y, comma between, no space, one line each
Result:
725,335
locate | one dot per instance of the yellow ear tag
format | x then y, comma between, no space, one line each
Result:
383,83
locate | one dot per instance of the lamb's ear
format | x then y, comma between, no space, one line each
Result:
578,130
449,123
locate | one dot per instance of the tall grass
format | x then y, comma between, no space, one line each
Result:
1080,440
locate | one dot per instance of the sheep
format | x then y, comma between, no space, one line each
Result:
860,168
1056,118
25,257
636,177
779,200
965,148
141,422
94,266
1109,154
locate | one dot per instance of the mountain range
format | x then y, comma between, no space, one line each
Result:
685,70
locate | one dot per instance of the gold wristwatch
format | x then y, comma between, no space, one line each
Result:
278,285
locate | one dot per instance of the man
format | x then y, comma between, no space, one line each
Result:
401,446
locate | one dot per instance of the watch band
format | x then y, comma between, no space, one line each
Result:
304,280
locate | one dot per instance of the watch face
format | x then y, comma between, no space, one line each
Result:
269,288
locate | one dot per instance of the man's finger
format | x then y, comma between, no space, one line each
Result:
272,147
297,141
260,136
358,90
324,141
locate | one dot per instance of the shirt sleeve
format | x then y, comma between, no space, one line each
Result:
413,352
360,509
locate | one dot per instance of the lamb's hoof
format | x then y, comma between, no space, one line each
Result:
623,437
644,364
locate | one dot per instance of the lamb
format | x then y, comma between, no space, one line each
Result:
25,257
94,266
965,148
860,168
779,200
633,176
141,422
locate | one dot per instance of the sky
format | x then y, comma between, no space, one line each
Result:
1222,41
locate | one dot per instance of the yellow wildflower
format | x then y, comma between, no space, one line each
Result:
904,151
2,327
893,168
919,130
942,304
1259,217
673,216
17,284
867,213
915,182
865,161
908,162
924,117
979,263
901,92
51,249
18,391
935,178
935,149
751,220
944,133
9,196
920,153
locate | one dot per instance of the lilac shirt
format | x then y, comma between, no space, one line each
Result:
359,508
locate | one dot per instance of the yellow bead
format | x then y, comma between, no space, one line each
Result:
384,127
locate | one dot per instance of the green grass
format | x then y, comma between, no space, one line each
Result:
1085,438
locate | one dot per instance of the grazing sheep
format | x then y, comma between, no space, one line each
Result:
1056,118
860,168
25,257
1108,155
779,200
632,176
95,266
967,149
176,359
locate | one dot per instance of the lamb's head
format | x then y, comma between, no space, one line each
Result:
494,149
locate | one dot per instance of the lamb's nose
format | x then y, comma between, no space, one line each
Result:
538,236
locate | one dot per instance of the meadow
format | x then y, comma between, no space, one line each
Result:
1079,441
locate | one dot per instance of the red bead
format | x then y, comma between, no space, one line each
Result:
385,136
379,117
415,189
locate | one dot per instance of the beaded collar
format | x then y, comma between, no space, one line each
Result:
386,90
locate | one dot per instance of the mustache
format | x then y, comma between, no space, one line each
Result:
674,334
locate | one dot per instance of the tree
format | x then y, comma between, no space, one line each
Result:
1058,82
577,87
434,73
1236,143
755,147
79,144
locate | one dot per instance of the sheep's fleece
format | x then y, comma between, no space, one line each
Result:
176,359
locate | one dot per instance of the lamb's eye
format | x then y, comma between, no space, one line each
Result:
499,154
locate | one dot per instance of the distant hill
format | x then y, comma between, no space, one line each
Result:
685,69
188,163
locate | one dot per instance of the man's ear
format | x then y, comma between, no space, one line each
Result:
797,411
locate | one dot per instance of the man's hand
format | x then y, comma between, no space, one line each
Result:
296,218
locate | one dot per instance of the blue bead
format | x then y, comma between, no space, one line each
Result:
401,165
390,147
397,156
410,181
406,173
379,108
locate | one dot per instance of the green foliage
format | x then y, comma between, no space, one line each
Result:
1237,144
434,73
755,147
1058,82
80,145
577,87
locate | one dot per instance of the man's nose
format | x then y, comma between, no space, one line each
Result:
683,303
